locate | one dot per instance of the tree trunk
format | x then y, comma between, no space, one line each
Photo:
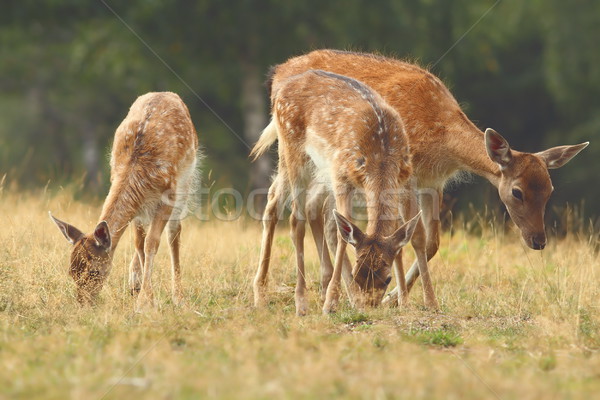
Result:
91,157
255,120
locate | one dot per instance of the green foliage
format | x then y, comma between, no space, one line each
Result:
352,317
70,70
589,329
444,336
548,362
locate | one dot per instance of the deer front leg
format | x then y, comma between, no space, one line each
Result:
419,243
430,206
333,289
179,200
145,299
314,213
399,271
137,261
331,240
298,229
270,219
316,227
431,217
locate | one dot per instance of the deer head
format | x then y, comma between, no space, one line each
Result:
90,258
374,258
525,184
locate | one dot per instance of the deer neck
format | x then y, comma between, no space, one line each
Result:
382,212
119,209
467,147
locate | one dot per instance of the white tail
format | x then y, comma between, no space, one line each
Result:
153,172
266,140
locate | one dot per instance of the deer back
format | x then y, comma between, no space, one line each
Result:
154,145
343,127
429,111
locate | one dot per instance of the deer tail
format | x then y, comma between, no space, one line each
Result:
267,138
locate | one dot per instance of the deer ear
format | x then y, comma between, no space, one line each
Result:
71,233
402,236
102,235
497,148
350,232
556,157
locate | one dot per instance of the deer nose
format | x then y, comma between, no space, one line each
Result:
538,243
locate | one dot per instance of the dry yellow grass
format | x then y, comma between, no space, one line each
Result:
515,324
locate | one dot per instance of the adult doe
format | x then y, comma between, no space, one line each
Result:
443,142
153,170
336,131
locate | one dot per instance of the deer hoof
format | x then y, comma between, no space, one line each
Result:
301,307
329,307
432,305
144,303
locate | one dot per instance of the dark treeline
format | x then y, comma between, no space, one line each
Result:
69,71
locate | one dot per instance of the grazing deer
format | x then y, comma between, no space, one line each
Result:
443,142
153,169
340,133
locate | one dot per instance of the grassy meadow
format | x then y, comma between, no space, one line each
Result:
514,323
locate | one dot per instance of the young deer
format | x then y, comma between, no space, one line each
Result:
443,142
338,132
153,169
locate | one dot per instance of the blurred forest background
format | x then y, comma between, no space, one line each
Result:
69,70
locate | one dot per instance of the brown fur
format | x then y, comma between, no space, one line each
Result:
442,140
152,172
336,131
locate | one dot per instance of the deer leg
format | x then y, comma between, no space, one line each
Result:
332,240
333,289
179,199
135,267
145,299
401,281
431,217
419,243
298,229
314,213
270,219
174,237
430,206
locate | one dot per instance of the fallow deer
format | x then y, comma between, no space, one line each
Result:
338,132
153,170
443,142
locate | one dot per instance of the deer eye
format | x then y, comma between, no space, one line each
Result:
517,194
388,280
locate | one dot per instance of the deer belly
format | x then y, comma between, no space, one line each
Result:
321,167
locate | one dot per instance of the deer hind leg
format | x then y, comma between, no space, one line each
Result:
137,261
145,299
270,218
298,230
333,289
